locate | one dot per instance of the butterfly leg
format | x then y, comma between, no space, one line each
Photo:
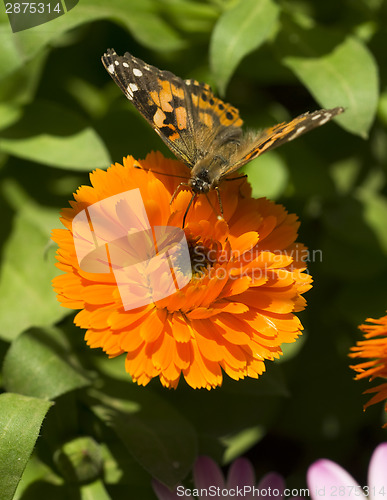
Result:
219,200
175,193
188,207
190,201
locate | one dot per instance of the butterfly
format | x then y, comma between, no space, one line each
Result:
200,129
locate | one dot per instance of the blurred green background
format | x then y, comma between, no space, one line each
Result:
62,116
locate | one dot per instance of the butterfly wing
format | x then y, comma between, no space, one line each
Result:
275,136
215,117
184,113
194,123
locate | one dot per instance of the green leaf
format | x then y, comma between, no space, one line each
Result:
349,237
337,69
241,442
141,19
267,175
35,473
383,107
158,437
9,114
345,173
20,421
375,215
238,32
95,491
79,460
66,142
190,16
308,171
26,274
19,87
35,366
234,399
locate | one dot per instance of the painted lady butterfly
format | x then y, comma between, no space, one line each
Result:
200,129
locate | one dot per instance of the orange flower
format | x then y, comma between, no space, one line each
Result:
238,307
373,348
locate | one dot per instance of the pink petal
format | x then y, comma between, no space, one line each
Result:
163,493
274,481
241,475
207,473
326,480
377,473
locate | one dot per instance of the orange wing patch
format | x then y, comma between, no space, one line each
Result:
226,113
206,119
181,117
166,96
158,118
177,91
166,128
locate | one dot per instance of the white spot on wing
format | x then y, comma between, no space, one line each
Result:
137,72
116,63
316,117
125,65
111,69
296,133
326,118
299,130
132,87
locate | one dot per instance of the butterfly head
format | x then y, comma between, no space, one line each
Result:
201,182
206,172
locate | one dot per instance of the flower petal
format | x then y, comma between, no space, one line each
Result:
274,481
238,307
377,473
241,473
325,478
207,473
162,492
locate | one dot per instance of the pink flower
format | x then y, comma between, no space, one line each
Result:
326,479
209,482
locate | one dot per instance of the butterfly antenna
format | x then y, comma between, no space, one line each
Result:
244,176
188,207
160,173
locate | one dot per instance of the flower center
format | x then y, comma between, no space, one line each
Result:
204,255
